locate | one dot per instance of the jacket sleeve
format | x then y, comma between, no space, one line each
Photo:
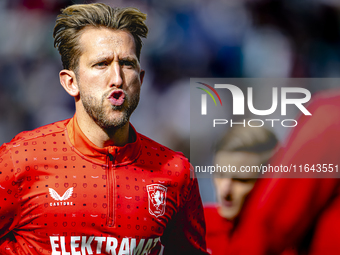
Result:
186,233
282,212
9,193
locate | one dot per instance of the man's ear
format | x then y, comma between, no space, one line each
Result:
141,76
69,82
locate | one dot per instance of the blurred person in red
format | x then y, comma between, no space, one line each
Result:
298,211
92,184
241,147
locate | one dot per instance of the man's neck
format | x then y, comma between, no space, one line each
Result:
100,137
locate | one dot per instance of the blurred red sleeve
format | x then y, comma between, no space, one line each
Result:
291,212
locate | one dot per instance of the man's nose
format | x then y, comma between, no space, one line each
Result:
116,76
226,185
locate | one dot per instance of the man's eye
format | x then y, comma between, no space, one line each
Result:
102,64
126,63
244,180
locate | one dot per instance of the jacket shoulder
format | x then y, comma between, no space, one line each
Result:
43,131
328,97
148,143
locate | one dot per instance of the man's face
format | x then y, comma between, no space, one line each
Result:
232,189
108,76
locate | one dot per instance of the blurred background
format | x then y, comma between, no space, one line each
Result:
191,38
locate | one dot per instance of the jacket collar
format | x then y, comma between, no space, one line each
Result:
120,155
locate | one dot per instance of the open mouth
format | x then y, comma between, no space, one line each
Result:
117,97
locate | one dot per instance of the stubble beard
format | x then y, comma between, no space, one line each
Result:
110,124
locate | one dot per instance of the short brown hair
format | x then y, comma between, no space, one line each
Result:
247,139
74,18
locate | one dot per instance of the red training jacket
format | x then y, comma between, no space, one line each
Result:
62,195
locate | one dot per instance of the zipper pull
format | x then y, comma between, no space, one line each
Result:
111,157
